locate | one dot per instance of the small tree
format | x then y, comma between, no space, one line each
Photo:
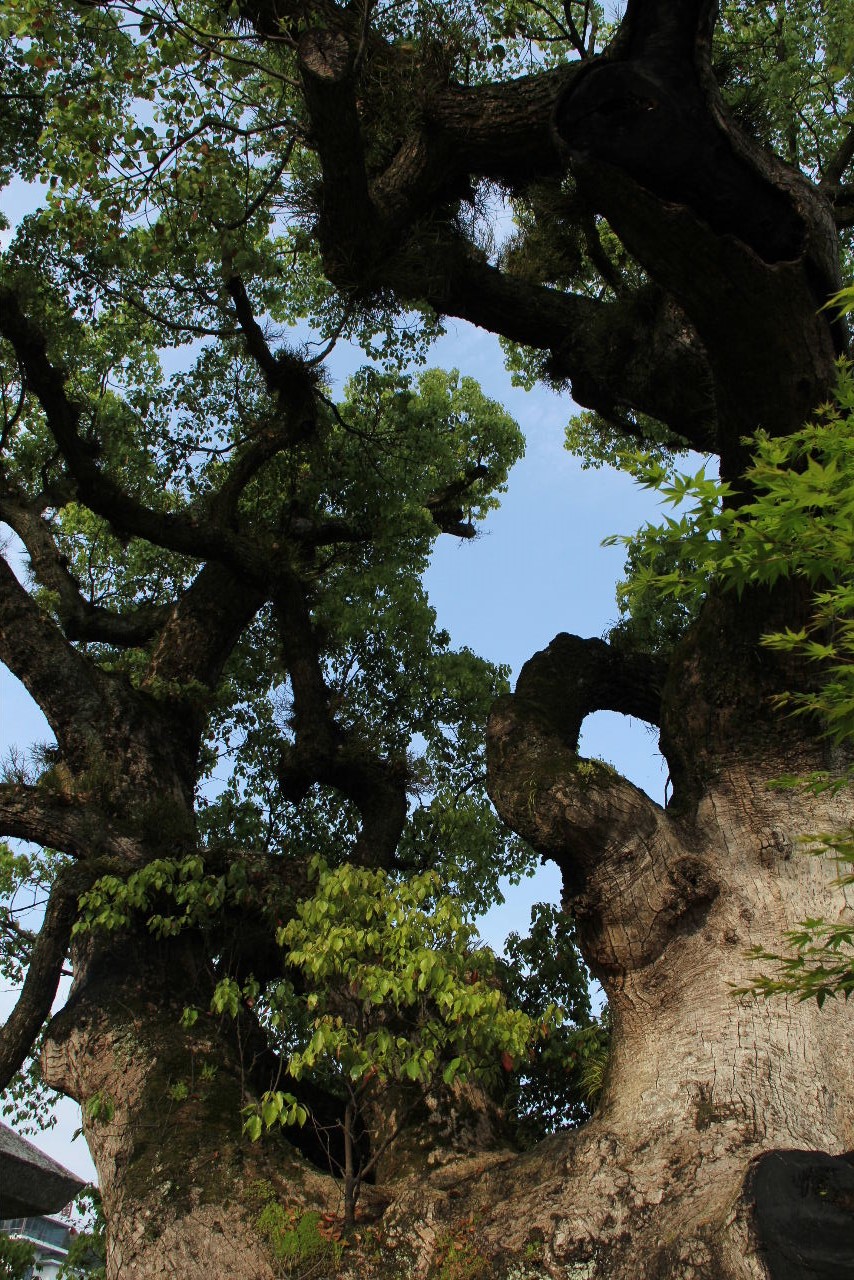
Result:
399,994
557,1085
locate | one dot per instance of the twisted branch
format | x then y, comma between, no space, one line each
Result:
626,873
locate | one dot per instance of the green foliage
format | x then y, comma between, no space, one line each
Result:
396,994
818,961
797,522
172,151
16,1258
87,1250
598,443
168,895
99,1108
398,991
558,1082
784,70
298,1240
458,1256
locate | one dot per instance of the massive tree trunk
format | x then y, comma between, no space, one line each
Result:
183,1191
718,1150
703,1083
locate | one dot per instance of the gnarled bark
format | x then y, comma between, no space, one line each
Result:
183,1190
708,1094
703,1083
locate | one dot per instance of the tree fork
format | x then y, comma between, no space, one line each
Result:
646,134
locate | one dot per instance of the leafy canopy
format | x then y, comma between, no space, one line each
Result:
393,991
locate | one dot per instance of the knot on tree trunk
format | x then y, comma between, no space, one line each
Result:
325,54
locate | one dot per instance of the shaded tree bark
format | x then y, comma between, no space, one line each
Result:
702,1083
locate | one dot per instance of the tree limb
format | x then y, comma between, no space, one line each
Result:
81,620
45,968
186,532
574,677
637,352
532,748
202,629
323,752
287,376
626,873
71,692
53,817
574,34
668,32
834,170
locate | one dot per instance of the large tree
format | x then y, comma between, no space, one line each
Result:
678,179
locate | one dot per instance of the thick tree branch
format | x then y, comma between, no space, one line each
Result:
71,692
21,1028
638,352
834,170
695,201
323,752
50,815
665,32
81,702
202,629
626,873
532,748
574,677
499,132
330,95
187,532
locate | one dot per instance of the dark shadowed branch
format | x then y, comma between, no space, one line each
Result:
323,751
45,969
69,689
50,816
81,619
558,802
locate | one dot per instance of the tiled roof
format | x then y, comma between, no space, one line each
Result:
30,1181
